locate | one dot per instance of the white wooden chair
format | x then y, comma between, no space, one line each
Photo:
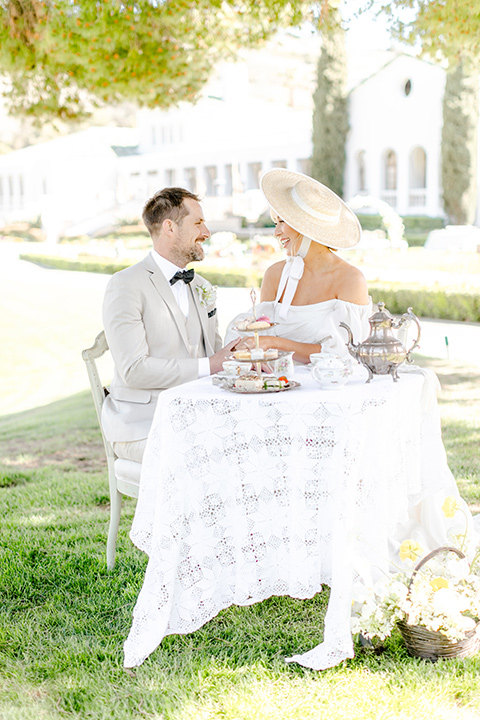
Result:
123,475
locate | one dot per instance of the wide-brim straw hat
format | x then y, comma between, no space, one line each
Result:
310,208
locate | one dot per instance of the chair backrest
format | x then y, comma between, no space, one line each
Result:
91,355
123,475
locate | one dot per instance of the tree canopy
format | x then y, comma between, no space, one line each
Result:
60,56
448,29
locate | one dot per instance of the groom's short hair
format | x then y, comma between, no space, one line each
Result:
166,204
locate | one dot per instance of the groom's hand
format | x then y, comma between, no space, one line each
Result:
217,360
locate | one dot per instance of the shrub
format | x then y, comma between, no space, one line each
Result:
419,224
369,222
415,240
226,278
222,277
414,224
436,302
97,265
439,303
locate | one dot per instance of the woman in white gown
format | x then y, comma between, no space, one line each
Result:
308,295
313,290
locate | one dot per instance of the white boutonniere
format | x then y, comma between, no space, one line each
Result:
207,293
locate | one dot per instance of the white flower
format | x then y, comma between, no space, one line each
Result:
207,293
444,596
458,568
447,602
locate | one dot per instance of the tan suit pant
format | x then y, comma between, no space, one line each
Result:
130,450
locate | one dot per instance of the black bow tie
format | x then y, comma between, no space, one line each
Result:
185,275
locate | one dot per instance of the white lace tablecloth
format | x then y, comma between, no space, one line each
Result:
247,496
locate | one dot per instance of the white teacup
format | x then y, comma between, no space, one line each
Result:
282,365
330,370
331,378
236,367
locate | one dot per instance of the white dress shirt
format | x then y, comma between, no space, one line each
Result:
180,293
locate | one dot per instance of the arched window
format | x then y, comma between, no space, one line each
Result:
418,169
361,173
390,170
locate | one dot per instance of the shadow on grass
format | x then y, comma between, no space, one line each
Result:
63,434
72,413
64,617
452,375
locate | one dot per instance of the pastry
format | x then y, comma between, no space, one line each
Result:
257,354
273,383
243,324
250,381
242,355
271,354
258,325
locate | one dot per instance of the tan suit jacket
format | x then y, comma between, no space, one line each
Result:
146,333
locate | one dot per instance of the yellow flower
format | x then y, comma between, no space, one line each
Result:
439,582
450,506
410,550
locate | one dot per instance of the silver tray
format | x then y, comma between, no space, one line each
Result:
227,383
291,386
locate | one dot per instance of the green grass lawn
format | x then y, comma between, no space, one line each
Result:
64,618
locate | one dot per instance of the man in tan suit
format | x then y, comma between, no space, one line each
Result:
160,321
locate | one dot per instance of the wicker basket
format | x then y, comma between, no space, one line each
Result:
432,645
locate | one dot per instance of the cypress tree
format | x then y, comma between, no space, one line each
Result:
330,113
459,143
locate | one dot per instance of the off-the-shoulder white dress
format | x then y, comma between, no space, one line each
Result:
424,521
317,323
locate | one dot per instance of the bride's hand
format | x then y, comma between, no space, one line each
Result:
266,342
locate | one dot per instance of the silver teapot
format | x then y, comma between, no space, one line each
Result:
382,353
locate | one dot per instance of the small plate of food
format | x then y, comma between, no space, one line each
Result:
254,383
251,324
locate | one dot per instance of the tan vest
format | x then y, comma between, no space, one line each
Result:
194,329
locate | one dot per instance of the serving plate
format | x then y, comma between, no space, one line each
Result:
227,383
259,330
281,353
289,386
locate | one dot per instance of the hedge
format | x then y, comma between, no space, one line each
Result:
221,277
96,265
437,302
414,224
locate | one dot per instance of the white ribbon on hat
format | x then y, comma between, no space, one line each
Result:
292,272
311,211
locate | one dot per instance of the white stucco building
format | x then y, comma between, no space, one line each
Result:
393,149
64,182
254,115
